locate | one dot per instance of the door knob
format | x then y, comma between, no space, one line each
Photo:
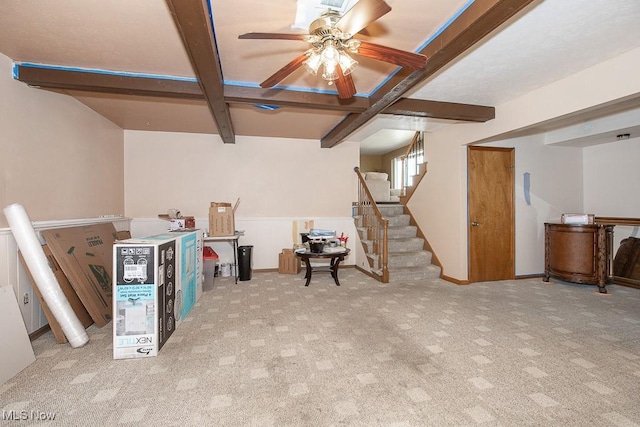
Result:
475,224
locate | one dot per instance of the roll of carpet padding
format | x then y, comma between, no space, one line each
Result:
36,261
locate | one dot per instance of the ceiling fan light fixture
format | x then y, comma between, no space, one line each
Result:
352,45
347,63
330,53
330,74
312,64
330,56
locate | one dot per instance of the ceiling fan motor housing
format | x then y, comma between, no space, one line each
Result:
324,26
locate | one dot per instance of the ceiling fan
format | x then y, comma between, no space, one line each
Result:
332,41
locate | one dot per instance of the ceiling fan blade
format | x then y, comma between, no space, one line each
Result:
272,36
283,72
414,61
344,84
362,14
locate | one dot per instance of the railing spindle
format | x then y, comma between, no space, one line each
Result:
375,226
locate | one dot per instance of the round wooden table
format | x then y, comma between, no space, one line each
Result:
335,257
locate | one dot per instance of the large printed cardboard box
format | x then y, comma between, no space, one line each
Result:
85,255
143,296
189,265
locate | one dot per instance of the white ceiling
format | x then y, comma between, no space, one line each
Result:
549,40
554,39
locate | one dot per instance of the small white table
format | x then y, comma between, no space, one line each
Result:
234,242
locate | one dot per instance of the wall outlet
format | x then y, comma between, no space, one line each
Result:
25,299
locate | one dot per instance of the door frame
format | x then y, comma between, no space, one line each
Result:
512,226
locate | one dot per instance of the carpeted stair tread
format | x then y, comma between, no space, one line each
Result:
429,271
403,244
394,220
404,259
400,232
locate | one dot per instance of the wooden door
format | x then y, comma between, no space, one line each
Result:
491,213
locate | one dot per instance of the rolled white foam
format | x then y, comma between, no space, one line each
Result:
46,281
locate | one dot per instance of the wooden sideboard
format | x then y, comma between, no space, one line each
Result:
579,253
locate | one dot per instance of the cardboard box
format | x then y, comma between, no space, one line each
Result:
69,293
85,255
189,269
189,222
288,262
221,218
143,296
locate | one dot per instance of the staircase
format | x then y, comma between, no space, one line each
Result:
407,260
394,245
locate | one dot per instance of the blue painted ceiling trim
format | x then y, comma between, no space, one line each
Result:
17,65
267,107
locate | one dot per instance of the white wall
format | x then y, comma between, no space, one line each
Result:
58,159
278,181
611,182
440,204
556,187
598,180
612,178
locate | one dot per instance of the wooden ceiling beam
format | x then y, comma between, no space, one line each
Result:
441,110
319,101
196,30
92,81
477,21
296,99
48,77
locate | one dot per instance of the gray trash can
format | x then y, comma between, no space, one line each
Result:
244,262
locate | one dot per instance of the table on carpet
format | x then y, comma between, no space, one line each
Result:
335,257
234,242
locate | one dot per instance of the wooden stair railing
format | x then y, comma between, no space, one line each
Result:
375,225
410,165
413,166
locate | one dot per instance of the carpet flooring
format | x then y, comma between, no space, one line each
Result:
272,352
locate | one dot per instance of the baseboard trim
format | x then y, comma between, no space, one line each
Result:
265,270
625,281
467,282
456,281
368,273
39,332
529,276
